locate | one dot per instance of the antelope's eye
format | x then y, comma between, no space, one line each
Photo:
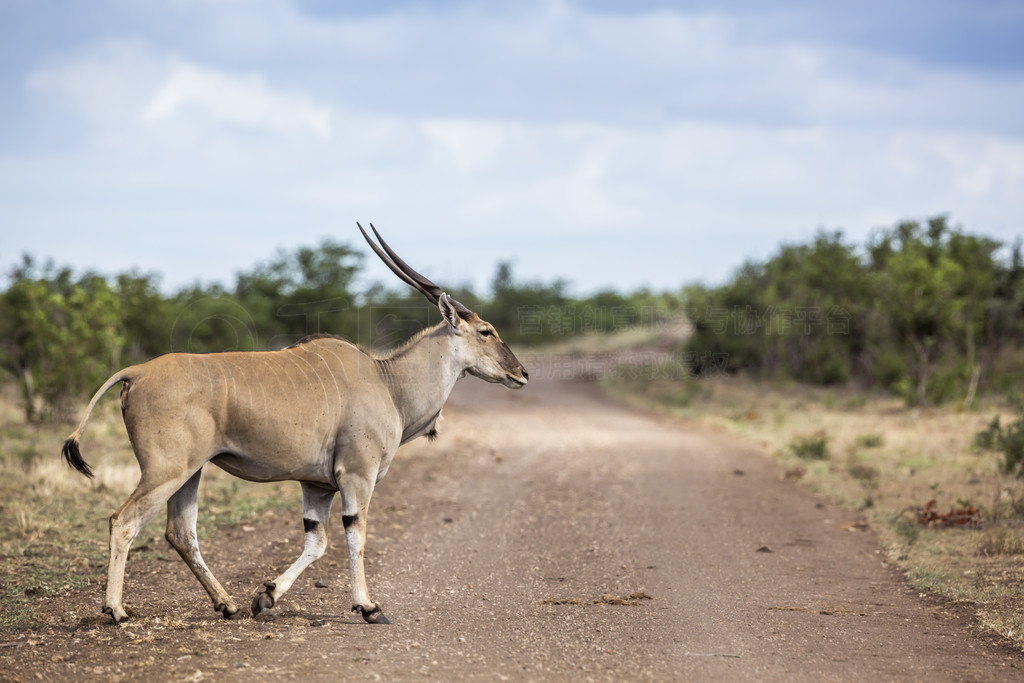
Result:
486,332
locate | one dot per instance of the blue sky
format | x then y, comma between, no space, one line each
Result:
624,144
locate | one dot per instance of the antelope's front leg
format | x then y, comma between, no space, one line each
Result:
356,494
316,509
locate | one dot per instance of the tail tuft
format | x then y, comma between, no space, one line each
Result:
73,456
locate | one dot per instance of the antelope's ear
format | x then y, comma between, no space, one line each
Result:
447,308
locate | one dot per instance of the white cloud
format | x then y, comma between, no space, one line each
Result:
247,101
127,83
471,144
106,83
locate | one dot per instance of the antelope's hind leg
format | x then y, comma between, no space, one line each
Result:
316,509
182,512
144,502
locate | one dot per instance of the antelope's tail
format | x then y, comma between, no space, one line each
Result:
71,452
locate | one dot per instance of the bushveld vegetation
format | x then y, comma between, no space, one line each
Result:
925,311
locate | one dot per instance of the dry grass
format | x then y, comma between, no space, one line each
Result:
53,521
875,455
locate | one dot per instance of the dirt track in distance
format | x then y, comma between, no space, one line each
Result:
552,494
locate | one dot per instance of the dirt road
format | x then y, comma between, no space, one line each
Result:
496,549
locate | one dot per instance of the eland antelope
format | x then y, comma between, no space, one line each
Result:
322,412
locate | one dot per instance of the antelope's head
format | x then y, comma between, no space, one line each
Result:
481,351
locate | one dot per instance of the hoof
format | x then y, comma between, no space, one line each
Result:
118,618
263,600
372,616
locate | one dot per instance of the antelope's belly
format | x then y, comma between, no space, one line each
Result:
281,467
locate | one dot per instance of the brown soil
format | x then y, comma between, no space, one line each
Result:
548,534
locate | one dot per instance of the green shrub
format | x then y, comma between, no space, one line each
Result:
870,440
865,474
1008,440
810,446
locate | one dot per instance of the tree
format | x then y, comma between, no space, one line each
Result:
62,336
145,323
530,312
801,314
978,291
302,292
947,304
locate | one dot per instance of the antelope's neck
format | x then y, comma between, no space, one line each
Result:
420,377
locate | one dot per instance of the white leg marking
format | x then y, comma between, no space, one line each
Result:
316,510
